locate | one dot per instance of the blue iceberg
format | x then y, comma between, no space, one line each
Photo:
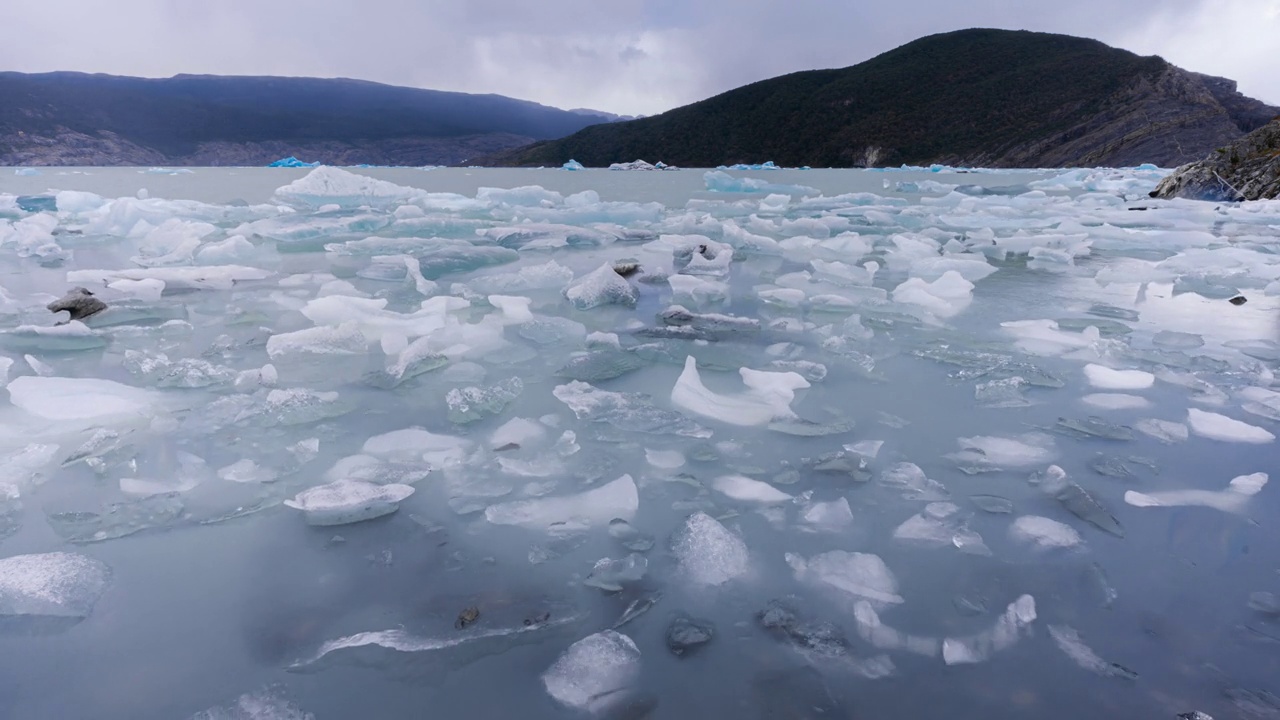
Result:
573,165
293,162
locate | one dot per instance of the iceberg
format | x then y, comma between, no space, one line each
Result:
593,671
768,396
349,501
292,162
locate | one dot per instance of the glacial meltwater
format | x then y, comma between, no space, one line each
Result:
481,443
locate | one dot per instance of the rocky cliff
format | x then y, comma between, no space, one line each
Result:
994,98
1247,169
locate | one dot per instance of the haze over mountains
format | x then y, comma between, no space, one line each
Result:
973,97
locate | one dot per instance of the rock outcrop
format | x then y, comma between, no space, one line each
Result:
1247,169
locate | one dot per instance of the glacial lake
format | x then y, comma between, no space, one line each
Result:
506,443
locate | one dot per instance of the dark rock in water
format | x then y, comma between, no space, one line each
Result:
686,635
467,617
1080,503
626,268
818,637
79,302
1248,169
1238,300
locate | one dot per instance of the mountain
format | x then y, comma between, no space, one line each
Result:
1248,169
995,98
77,119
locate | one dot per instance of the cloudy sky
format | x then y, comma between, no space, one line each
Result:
624,56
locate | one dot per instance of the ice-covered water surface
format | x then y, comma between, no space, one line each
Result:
821,444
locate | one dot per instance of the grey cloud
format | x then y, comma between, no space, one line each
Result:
623,55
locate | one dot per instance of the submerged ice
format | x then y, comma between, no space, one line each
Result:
804,432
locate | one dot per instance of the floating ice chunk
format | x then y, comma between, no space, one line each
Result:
707,552
211,277
517,432
1043,337
81,399
1163,430
1115,401
834,516
149,289
573,165
190,471
473,403
349,501
1071,644
247,471
612,575
861,575
57,584
330,185
664,459
769,396
297,406
263,377
602,286
970,267
718,181
1220,427
263,705
911,479
617,499
697,289
1177,340
934,526
232,250
1043,532
783,297
1109,379
160,371
883,637
547,276
373,319
1232,499
1004,634
515,310
626,411
945,297
1023,451
743,488
73,335
594,672
633,165
412,445
38,366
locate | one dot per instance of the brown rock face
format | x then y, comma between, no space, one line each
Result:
1247,169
